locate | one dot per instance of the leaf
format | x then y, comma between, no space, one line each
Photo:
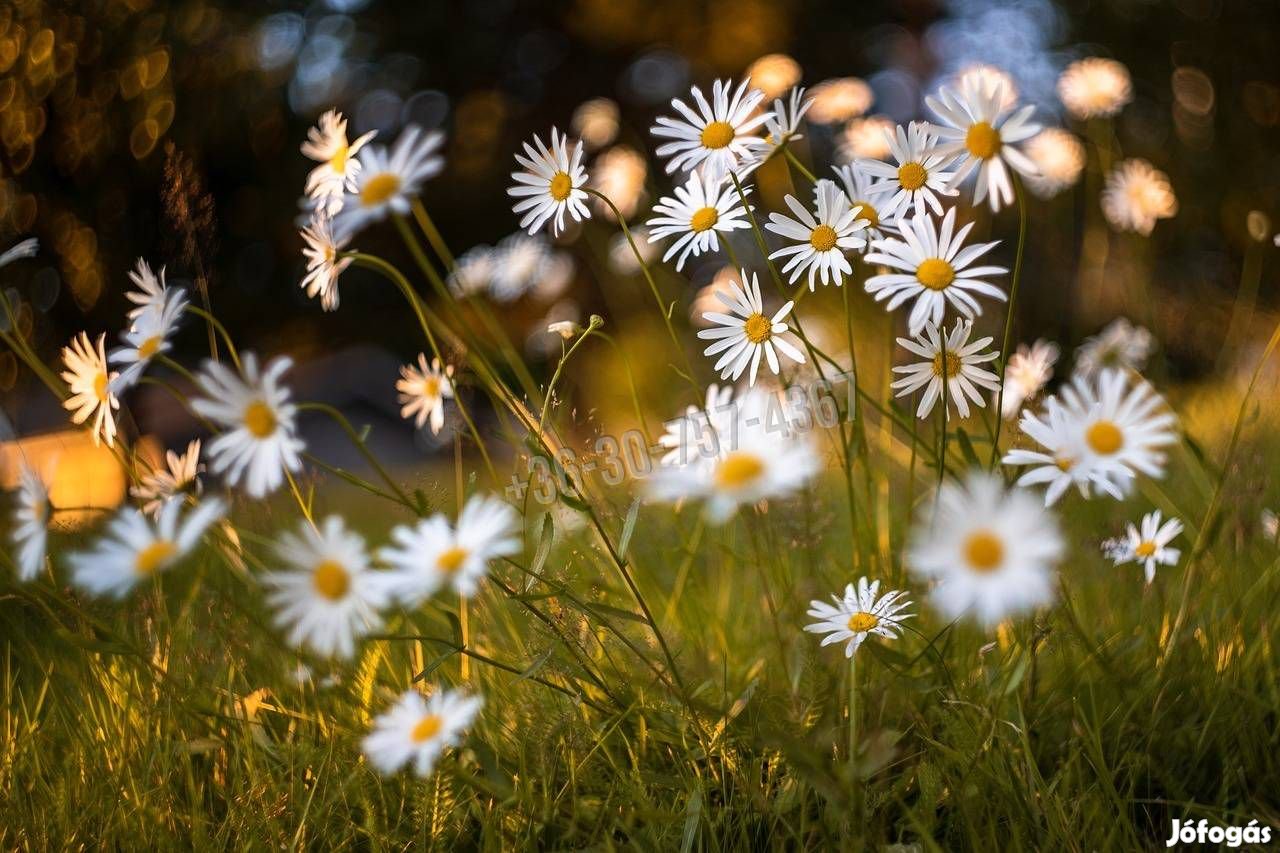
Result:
629,527
435,664
609,610
692,817
545,538
532,670
966,448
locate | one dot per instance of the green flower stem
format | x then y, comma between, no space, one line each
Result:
1008,320
341,420
216,324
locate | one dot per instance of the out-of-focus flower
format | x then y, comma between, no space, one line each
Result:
472,271
1148,544
860,613
595,122
423,391
323,264
959,363
1258,224
31,513
18,251
550,184
1136,195
1095,87
622,258
707,299
865,138
700,212
178,473
417,731
1059,156
524,263
153,294
747,333
773,74
839,99
336,175
566,329
1270,521
1121,344
619,174
91,387
147,337
685,436
822,238
717,136
918,177
1028,370
988,78
388,178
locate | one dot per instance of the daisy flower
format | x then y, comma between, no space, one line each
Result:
18,251
1121,428
962,358
433,553
152,293
840,99
1027,372
990,79
327,596
336,175
918,177
31,515
989,551
1059,159
783,124
869,198
1136,196
1061,463
472,271
136,548
323,264
719,136
522,263
1121,344
387,178
180,473
983,134
91,387
417,731
824,238
259,442
702,210
860,613
1095,87
683,437
1148,545
933,267
423,390
550,184
146,338
740,338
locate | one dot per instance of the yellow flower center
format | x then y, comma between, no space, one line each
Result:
823,238
427,728
704,219
863,621
1104,437
868,212
379,188
331,580
430,387
738,469
983,551
718,134
100,387
935,273
153,557
338,162
1064,463
911,176
259,419
982,140
451,560
758,329
561,186
1145,549
150,346
953,364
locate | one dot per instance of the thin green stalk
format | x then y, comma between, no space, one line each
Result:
555,376
1008,320
360,445
216,324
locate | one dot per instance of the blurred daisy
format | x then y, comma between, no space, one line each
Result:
524,263
619,174
1136,195
550,184
336,175
31,514
824,238
862,193
1121,344
1028,370
988,78
423,390
933,267
136,548
1121,428
146,338
983,135
595,122
91,387
701,210
1059,157
152,293
860,613
259,442
1061,463
989,551
18,251
1095,87
685,437
622,259
1148,545
774,73
959,362
1270,521
719,136
472,271
388,178
417,731
327,596
783,124
180,473
323,264
840,99
918,178
742,336
433,553
865,138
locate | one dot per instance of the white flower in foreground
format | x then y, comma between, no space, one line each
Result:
990,552
136,548
1059,156
918,177
179,473
473,271
1121,428
740,338
860,188
31,513
336,175
1095,87
701,210
91,387
783,124
688,436
550,184
388,178
840,99
327,596
837,228
259,442
933,267
323,264
1148,545
146,338
959,361
152,293
417,731
1027,372
423,390
434,553
983,134
18,251
1062,462
1121,344
860,613
719,136
1136,196
752,457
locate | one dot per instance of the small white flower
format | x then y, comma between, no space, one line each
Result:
701,211
147,337
740,338
1148,545
31,514
18,251
685,436
91,387
860,613
1059,156
566,329
867,197
719,136
964,377
823,239
336,175
433,553
783,124
1028,371
1136,196
323,264
1121,344
1062,462
417,731
1095,87
550,184
178,474
388,178
918,177
423,391
153,294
